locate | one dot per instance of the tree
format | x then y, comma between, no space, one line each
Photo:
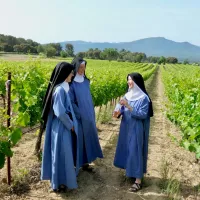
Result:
96,53
81,54
172,60
25,48
7,48
63,54
50,51
186,62
111,54
11,40
152,59
33,49
40,49
138,58
102,55
69,48
17,48
1,48
58,48
30,42
128,57
161,60
122,53
144,57
90,53
21,41
8,44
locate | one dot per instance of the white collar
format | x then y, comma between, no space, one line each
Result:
65,86
79,78
135,93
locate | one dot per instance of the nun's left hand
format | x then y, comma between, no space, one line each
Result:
124,102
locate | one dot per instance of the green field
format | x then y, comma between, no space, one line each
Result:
30,79
180,100
182,87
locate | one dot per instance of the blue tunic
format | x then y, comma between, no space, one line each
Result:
89,147
58,162
132,147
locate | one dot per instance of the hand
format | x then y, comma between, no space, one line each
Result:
72,129
116,114
124,102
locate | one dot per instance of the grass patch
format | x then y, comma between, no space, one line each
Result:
21,181
169,184
104,113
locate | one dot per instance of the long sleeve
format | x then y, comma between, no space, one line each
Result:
74,102
60,109
141,111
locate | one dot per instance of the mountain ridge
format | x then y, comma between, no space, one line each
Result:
153,46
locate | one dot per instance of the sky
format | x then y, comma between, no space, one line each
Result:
47,21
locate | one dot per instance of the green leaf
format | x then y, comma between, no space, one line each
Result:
2,160
23,119
198,152
5,149
192,148
186,144
15,136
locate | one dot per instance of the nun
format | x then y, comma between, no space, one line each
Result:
58,164
80,95
132,147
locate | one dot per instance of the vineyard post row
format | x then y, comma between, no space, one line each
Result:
29,86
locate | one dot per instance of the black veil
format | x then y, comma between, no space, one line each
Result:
59,74
76,62
138,79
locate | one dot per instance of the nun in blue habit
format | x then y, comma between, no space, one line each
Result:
132,147
58,163
89,147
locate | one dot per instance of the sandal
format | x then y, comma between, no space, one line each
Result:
53,190
135,187
87,167
62,188
133,179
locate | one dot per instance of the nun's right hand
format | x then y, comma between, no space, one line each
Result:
116,114
123,102
72,129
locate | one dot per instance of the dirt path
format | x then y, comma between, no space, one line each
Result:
166,154
108,182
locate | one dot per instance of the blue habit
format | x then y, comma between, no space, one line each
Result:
58,162
89,147
132,147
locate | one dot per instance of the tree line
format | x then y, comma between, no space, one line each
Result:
113,54
12,44
9,43
124,55
20,45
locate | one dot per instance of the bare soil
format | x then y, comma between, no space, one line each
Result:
108,182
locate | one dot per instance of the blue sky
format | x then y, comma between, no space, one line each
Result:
101,21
